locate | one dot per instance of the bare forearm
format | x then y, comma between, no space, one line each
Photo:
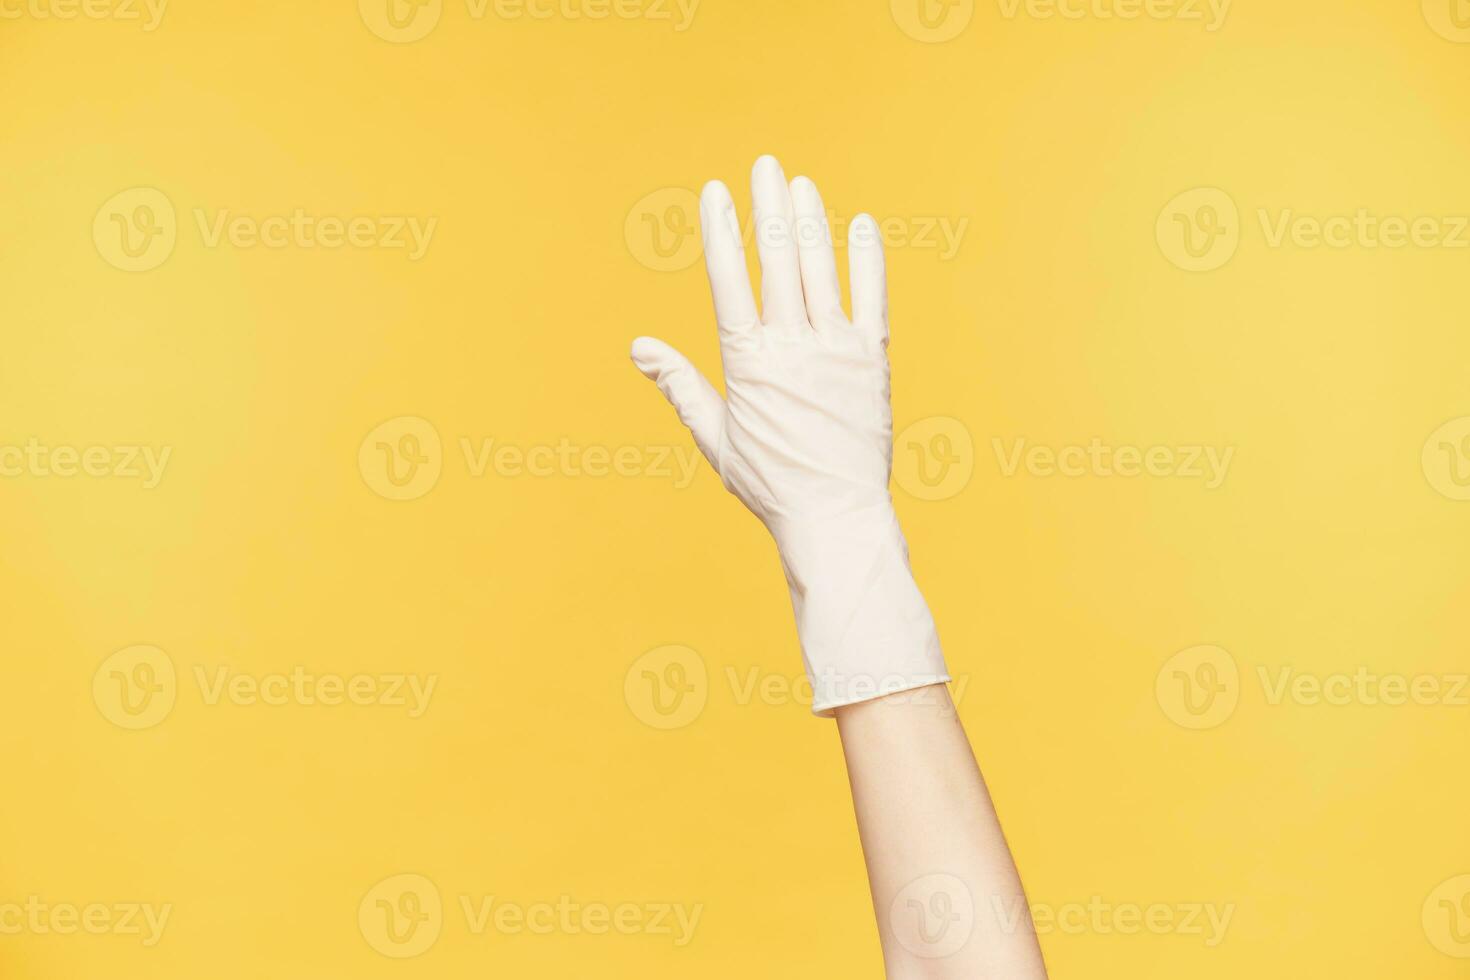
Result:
948,898
803,435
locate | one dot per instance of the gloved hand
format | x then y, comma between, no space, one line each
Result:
804,434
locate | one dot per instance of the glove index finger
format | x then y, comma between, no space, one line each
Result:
724,260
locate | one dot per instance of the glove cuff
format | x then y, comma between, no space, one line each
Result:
866,631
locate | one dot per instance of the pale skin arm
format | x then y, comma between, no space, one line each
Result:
938,864
803,436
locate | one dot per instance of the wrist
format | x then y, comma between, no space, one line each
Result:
865,628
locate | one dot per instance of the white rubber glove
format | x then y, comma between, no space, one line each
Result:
804,434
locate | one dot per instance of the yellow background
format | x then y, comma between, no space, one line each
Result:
531,777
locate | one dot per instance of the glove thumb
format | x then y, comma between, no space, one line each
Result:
700,407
